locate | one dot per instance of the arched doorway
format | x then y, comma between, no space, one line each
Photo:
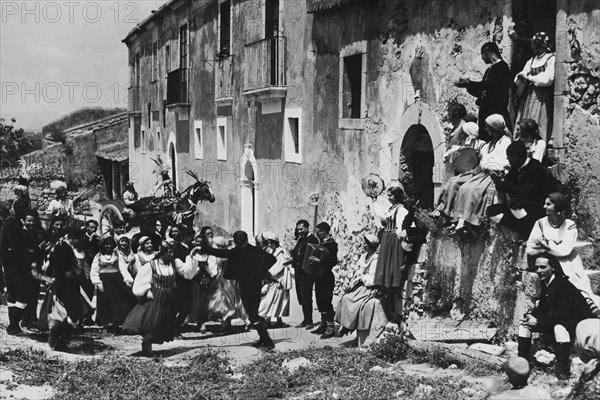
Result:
418,159
173,164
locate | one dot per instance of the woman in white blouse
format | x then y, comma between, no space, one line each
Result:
557,235
528,131
154,317
536,82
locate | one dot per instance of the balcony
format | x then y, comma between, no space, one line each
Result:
177,88
264,73
224,81
133,100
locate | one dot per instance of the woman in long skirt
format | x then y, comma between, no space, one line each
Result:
275,301
391,255
537,79
155,315
557,235
62,308
223,299
207,266
357,305
115,299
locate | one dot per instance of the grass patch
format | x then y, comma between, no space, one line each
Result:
333,373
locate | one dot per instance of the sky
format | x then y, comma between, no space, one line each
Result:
59,56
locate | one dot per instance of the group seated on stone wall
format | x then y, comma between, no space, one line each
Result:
502,179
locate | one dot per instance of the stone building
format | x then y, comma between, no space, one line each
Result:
272,100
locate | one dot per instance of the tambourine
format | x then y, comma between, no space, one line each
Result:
465,159
372,185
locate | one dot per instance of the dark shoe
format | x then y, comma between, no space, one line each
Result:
329,331
322,325
265,342
305,324
267,346
53,336
14,330
147,350
343,332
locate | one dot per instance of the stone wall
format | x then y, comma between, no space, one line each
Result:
577,113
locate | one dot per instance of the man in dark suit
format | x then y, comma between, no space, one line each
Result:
301,278
557,314
248,265
526,185
493,90
325,283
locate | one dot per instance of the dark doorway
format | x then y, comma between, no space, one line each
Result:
531,16
418,159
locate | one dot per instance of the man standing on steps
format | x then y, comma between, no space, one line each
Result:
560,309
248,265
325,283
301,278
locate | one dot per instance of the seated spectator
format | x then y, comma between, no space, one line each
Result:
528,132
526,186
356,307
478,193
560,309
587,345
457,114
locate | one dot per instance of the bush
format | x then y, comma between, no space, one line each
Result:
391,348
13,143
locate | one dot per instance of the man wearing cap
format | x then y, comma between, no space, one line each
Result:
248,265
301,278
526,185
325,283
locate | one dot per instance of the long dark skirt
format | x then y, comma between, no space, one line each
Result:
391,258
154,318
115,303
199,312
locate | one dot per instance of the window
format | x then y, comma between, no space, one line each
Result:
292,139
164,113
271,18
183,47
221,138
154,61
144,144
224,29
353,86
167,59
198,141
149,115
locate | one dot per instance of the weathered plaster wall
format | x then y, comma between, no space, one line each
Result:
577,110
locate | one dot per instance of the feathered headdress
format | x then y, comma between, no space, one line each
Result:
193,174
26,170
160,167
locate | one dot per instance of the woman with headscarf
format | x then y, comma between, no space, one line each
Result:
587,345
557,235
356,307
223,299
207,272
447,196
536,82
155,315
126,258
275,300
474,196
115,300
145,253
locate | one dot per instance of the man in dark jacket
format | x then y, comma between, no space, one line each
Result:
184,288
526,185
248,265
301,278
325,283
557,314
493,90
